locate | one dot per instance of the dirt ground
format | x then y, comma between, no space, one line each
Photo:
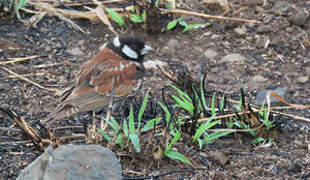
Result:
275,54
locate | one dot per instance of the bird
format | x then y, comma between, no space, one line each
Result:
117,70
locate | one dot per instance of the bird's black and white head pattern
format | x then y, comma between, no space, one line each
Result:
129,48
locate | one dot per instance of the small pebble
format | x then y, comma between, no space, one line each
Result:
299,19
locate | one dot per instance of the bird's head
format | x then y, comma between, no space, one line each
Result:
129,48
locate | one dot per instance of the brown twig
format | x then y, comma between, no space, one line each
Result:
173,4
272,109
33,134
41,66
28,80
57,12
92,3
73,136
14,60
25,75
180,11
8,129
239,10
101,13
66,127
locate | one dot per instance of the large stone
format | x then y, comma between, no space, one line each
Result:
74,162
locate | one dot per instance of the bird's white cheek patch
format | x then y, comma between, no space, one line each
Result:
129,52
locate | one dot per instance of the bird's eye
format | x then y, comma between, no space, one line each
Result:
134,46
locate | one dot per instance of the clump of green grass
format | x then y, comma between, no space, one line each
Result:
188,109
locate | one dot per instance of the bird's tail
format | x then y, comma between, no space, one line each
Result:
61,112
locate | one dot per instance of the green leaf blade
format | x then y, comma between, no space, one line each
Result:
115,16
135,18
172,24
142,109
134,138
150,124
131,121
177,156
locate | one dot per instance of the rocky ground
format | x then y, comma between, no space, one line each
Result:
272,54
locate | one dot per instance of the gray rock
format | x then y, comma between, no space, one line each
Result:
261,42
210,53
172,43
261,96
259,78
303,79
299,19
307,69
76,51
280,4
264,28
4,86
275,41
8,45
240,31
74,162
235,57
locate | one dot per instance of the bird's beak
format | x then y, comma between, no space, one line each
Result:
146,49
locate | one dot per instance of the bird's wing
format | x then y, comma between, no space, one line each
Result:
96,79
104,74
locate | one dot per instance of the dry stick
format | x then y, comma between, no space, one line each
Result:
32,133
13,60
275,112
46,65
90,15
184,5
173,4
28,80
74,136
73,24
180,11
91,3
36,18
8,129
239,10
26,142
216,130
50,9
257,110
66,127
100,11
25,75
